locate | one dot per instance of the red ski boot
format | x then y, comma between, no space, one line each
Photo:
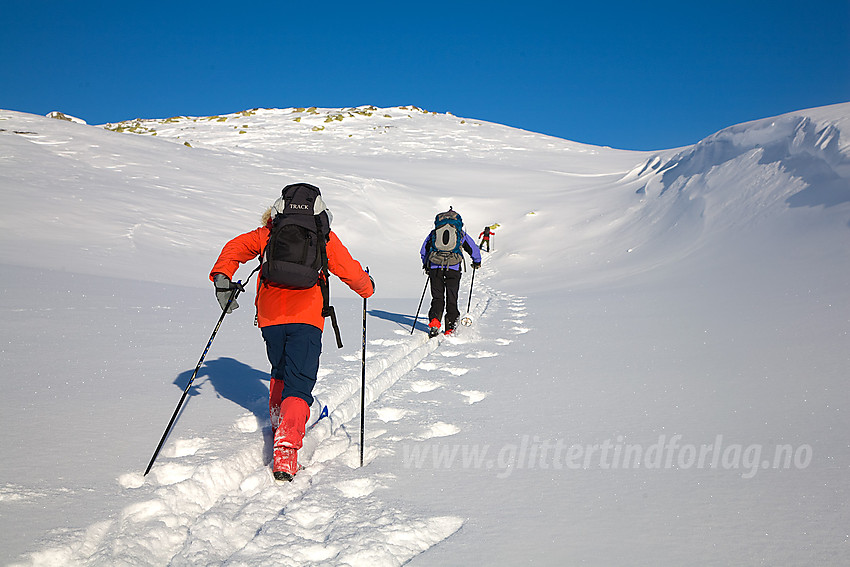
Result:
450,327
285,463
294,413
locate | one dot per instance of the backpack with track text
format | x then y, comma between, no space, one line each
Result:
296,254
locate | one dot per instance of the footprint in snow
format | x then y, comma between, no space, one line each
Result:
481,354
473,396
503,342
439,429
390,414
430,366
455,371
449,353
422,386
520,330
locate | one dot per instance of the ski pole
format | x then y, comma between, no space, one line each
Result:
363,383
237,289
467,320
471,283
421,299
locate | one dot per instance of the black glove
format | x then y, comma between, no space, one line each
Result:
373,284
476,265
223,290
426,268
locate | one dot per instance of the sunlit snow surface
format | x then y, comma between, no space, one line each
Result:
688,306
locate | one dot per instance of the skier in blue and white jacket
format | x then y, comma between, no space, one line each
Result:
442,257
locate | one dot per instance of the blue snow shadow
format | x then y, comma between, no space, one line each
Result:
238,383
403,321
232,380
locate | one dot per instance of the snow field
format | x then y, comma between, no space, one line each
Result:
632,297
230,510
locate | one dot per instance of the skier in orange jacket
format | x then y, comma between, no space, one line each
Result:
291,322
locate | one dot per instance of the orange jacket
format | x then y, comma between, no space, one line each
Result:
277,305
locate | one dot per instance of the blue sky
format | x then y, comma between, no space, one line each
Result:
632,75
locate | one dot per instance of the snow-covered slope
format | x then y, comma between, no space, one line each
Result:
630,297
746,172
362,162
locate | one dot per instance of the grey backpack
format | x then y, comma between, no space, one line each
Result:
447,239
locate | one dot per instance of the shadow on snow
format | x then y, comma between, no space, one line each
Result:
403,321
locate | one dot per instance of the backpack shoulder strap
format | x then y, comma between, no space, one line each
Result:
324,286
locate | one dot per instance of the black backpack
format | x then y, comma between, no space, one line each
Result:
296,254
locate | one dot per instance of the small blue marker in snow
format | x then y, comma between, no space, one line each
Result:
321,415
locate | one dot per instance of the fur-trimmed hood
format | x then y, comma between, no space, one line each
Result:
278,207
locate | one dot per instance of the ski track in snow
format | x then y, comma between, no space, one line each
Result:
205,509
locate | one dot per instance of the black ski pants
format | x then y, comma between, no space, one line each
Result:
445,284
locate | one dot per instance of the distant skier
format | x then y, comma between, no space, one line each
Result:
485,238
291,318
442,255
